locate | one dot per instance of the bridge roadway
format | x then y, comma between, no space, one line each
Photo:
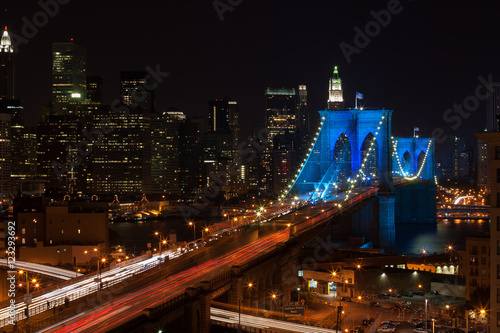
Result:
125,308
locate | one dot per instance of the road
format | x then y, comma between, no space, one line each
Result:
82,288
224,316
53,272
132,305
127,307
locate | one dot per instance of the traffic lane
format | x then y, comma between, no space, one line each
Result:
102,319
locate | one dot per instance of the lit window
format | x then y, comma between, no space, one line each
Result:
78,230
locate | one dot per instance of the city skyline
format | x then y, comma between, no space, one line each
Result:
393,69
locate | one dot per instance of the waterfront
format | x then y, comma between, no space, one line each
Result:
410,238
137,235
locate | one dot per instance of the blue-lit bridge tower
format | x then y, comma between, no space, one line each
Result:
354,148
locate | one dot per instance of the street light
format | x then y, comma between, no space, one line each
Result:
239,309
99,270
163,242
425,304
275,297
483,312
27,281
192,224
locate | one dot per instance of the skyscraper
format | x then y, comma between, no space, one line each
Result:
492,139
281,119
493,108
122,159
57,139
69,80
19,153
223,125
133,92
6,67
95,89
280,111
482,164
335,93
165,164
190,156
302,111
5,156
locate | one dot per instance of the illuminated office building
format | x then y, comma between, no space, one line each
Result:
6,67
280,111
95,89
133,92
5,157
57,139
165,170
335,93
122,159
69,80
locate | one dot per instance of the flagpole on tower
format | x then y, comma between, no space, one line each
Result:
356,101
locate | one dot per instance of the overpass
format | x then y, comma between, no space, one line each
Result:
51,272
463,211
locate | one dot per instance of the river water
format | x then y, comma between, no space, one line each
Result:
410,238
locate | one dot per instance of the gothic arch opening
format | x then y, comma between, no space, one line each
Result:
371,164
420,160
342,157
406,164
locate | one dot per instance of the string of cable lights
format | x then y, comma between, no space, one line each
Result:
353,181
287,190
401,171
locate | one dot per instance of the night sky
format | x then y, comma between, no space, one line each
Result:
426,59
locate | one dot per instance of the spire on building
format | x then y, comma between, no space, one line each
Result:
335,93
6,43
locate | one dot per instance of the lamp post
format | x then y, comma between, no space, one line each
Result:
425,304
164,242
275,297
339,317
239,310
192,224
99,271
27,281
483,312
